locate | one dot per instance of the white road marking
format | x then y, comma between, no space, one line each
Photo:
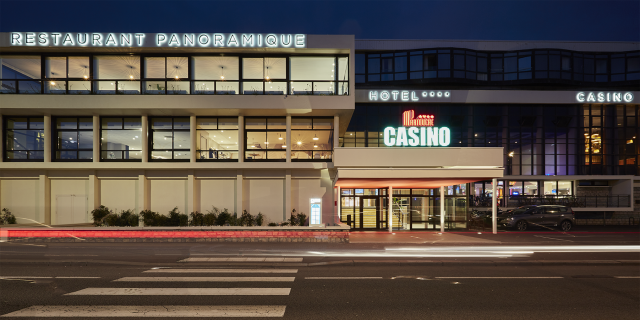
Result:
206,279
223,270
150,311
499,277
70,255
243,259
342,278
182,292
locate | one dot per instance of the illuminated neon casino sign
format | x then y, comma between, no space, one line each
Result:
417,131
198,40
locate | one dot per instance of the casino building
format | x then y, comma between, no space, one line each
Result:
379,134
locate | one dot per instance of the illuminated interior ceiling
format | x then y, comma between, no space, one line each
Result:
26,65
403,183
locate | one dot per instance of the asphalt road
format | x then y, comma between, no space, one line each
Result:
530,279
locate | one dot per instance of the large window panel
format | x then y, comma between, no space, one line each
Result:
312,68
20,67
217,139
79,67
55,67
116,67
170,139
121,139
216,68
312,139
265,139
24,138
74,139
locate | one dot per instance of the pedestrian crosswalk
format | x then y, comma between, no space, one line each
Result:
167,282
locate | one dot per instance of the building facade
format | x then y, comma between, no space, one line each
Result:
413,132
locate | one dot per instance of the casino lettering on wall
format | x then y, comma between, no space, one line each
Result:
604,97
417,132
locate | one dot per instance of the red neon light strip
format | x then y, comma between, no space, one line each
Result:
170,234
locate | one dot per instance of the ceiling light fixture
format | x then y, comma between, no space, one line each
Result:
222,72
315,137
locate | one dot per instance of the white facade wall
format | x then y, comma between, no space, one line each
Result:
21,198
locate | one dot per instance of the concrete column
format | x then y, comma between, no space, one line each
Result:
494,206
96,138
442,211
239,192
287,196
47,138
44,197
288,142
144,194
94,192
390,211
338,201
191,194
336,131
241,139
192,135
145,138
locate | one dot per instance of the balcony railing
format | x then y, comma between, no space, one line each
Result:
609,201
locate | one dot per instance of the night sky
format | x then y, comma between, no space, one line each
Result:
371,19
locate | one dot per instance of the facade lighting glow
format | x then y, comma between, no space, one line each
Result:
417,132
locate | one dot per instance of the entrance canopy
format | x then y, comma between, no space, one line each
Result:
415,167
402,183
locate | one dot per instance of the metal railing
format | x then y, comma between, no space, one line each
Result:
608,201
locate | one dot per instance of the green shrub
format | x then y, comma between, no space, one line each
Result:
211,216
223,218
246,219
293,219
302,219
176,219
99,215
126,218
197,219
7,217
150,218
259,219
272,224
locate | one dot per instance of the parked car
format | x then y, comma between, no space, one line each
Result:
522,218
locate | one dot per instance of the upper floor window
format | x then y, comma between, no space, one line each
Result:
223,73
120,139
21,74
170,138
170,75
116,74
217,138
74,139
24,138
265,139
312,139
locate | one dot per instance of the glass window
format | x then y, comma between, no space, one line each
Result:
78,67
24,138
170,138
400,64
444,61
116,67
120,139
387,65
633,64
550,188
524,63
601,66
215,68
74,139
374,65
416,63
217,138
312,139
312,68
510,64
265,139
55,67
154,67
343,69
565,188
531,188
431,62
20,67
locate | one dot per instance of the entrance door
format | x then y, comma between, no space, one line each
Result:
369,213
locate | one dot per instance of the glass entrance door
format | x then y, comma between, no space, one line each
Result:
369,217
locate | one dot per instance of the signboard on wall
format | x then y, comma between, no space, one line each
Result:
417,131
179,40
409,95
